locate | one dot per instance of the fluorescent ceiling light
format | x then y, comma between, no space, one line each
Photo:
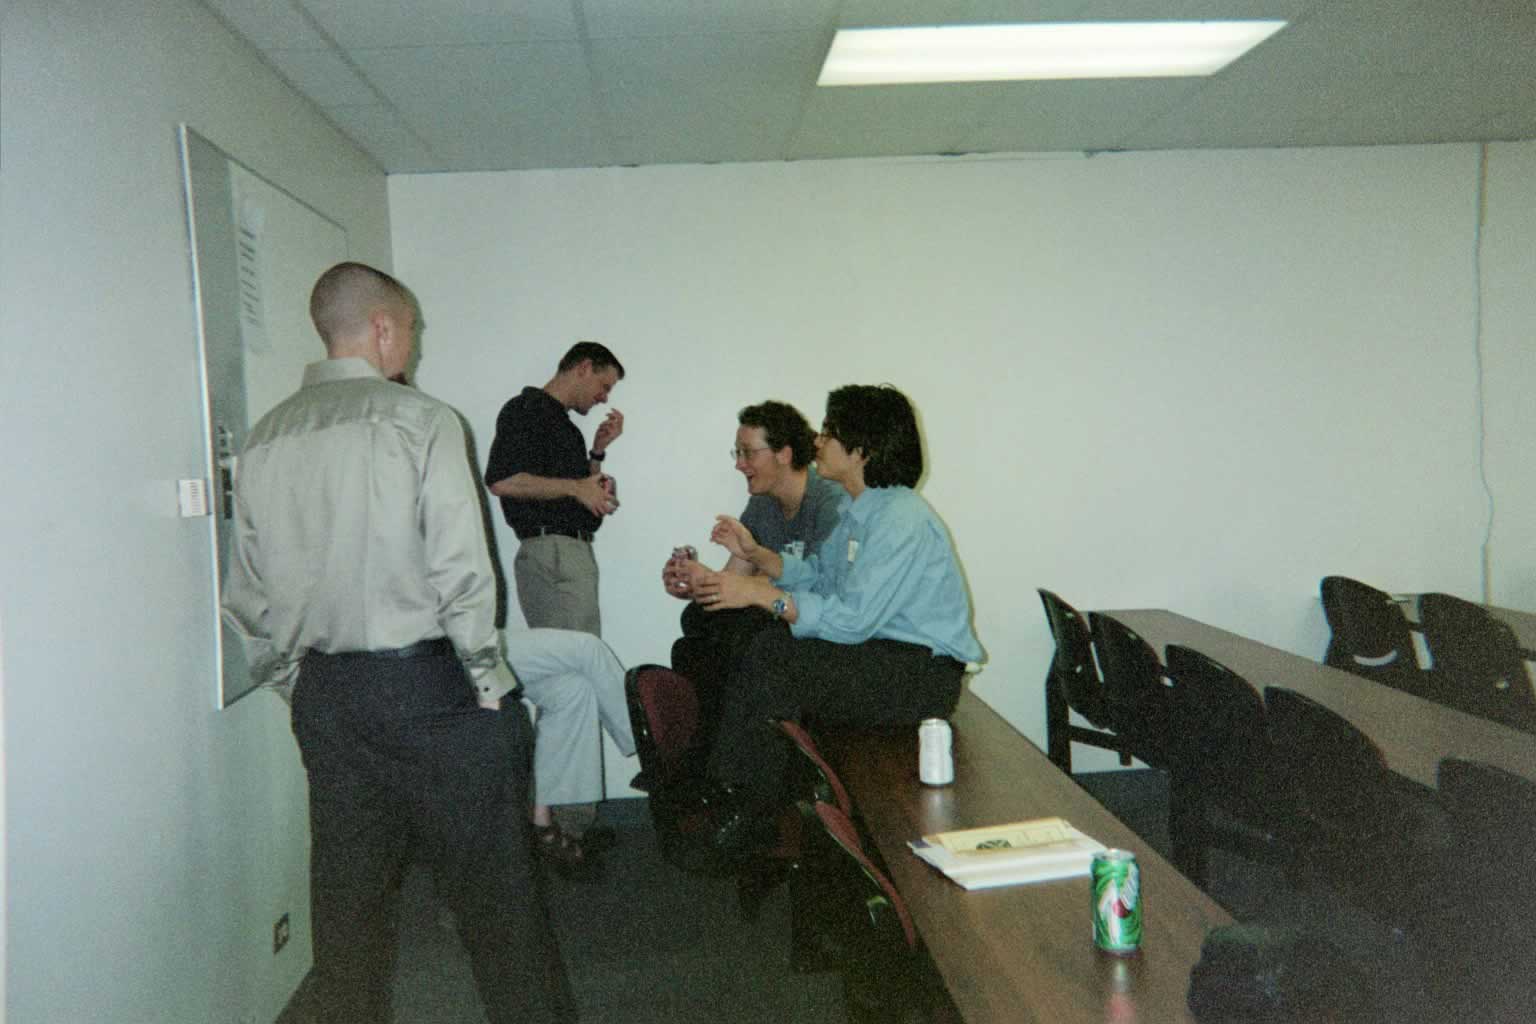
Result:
992,53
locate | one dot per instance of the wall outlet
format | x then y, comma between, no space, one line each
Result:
280,935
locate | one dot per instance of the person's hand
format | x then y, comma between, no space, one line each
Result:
608,431
594,496
732,535
677,577
721,590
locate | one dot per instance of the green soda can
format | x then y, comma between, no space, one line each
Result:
1116,888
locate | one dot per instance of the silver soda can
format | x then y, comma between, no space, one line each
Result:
935,758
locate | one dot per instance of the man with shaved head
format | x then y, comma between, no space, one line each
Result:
361,584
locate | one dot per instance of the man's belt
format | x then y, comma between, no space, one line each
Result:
434,648
557,531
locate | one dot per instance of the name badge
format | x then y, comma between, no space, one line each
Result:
853,550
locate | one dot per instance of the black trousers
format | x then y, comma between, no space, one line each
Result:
873,684
403,764
712,645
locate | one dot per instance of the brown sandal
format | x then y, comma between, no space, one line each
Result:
564,854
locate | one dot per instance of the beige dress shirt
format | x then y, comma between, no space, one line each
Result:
358,527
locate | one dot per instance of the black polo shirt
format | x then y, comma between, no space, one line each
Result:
534,434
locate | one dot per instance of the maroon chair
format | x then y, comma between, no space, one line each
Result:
664,716
888,977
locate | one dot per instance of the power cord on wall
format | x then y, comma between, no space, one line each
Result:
1477,348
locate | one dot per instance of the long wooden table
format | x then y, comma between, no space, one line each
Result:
1413,734
1023,953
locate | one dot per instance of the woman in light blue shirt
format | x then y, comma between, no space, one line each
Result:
878,620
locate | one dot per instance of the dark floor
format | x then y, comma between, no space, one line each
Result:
647,944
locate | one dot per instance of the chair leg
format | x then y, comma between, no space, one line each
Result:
1058,734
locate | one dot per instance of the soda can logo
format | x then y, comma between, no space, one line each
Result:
1116,888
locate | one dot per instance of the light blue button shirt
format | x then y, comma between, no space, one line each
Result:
888,571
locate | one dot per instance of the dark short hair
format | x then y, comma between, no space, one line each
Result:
878,420
599,355
782,424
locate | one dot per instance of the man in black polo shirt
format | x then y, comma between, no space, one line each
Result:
554,496
552,488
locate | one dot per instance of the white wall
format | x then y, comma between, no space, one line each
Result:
151,841
1509,348
1196,380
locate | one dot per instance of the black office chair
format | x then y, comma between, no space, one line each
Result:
1136,692
1478,665
1371,635
1486,897
1355,827
1222,790
1072,683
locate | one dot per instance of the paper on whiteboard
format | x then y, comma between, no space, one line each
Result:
250,262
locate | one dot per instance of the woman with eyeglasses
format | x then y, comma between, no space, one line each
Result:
876,625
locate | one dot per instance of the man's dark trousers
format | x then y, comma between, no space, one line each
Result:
874,684
403,763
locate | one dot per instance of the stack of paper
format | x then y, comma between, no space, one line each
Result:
1024,851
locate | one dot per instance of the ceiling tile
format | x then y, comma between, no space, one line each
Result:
386,23
322,76
482,107
701,99
983,117
616,19
380,131
269,23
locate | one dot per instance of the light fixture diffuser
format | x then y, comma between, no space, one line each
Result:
1062,50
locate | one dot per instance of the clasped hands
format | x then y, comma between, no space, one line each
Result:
714,591
596,495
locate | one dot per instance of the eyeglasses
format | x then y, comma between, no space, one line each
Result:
745,454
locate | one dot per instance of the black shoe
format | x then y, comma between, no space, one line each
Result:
565,855
598,839
744,833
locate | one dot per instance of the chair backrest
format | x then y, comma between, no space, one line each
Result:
1224,734
1138,699
1490,798
1371,635
664,716
828,787
883,901
1331,770
1073,664
1477,663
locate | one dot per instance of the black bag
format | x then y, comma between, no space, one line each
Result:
1269,974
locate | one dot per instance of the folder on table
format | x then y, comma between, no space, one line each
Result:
1011,854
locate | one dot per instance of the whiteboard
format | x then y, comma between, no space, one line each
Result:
256,253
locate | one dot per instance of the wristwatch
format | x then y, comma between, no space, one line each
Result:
596,456
779,608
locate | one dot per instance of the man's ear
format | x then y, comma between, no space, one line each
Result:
384,331
784,456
